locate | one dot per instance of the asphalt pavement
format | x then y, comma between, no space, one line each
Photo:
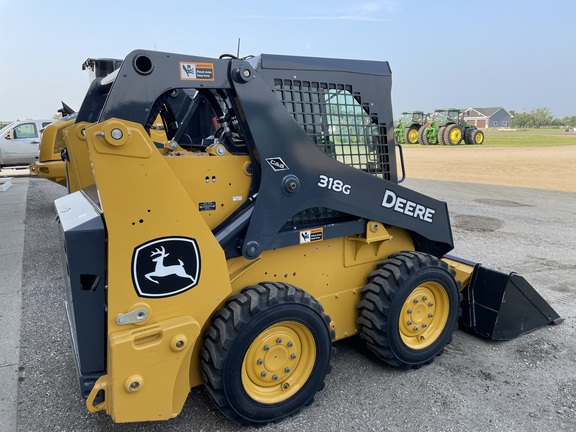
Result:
525,384
12,211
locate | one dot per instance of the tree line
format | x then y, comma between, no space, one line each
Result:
540,117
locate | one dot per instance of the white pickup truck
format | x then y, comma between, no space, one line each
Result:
19,141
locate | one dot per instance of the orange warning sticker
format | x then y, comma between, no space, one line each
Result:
311,235
197,71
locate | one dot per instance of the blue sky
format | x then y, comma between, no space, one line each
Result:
516,54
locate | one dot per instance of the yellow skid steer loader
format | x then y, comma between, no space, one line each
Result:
269,224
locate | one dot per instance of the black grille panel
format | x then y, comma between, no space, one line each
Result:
339,122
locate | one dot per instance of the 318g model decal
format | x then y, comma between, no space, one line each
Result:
334,184
165,266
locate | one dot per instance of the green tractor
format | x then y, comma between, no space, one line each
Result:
447,127
407,129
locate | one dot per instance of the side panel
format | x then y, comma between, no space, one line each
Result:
83,248
336,283
147,212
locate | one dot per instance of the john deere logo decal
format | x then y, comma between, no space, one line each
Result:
166,266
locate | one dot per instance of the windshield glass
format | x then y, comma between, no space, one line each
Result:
453,115
406,118
440,116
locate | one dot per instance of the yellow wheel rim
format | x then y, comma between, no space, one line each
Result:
478,138
413,136
424,315
455,135
278,362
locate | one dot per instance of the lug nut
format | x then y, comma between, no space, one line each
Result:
409,322
279,340
287,369
430,315
415,300
430,304
409,311
263,374
259,361
266,347
293,356
415,328
274,377
424,325
424,298
290,344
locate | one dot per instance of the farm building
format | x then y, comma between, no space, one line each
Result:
496,117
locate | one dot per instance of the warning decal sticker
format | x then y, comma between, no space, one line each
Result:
311,235
197,71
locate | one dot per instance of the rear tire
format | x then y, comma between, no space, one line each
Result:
441,136
452,134
422,137
411,135
409,309
267,353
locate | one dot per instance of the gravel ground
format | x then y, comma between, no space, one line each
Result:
525,384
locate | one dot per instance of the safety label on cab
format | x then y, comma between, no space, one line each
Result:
311,235
197,71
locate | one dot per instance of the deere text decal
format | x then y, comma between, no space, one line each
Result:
165,266
197,71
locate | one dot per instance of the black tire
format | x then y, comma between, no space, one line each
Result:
476,137
441,136
411,135
422,137
453,134
267,353
409,309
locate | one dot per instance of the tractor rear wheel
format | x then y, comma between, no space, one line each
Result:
411,135
422,136
267,353
453,134
409,309
476,137
441,136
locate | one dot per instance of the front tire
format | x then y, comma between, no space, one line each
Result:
411,135
267,353
409,309
477,137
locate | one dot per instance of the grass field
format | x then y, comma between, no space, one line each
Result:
520,139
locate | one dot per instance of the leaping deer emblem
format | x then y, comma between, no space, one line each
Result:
161,270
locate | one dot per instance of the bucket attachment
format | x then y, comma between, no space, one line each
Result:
502,306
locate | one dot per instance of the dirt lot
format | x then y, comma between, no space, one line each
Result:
550,168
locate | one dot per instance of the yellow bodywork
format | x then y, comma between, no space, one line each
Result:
50,164
55,138
148,194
